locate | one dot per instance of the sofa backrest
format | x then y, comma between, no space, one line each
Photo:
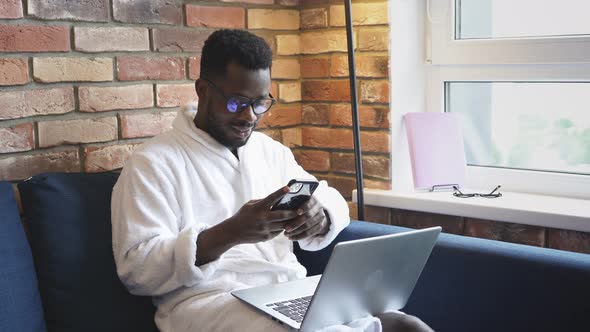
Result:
20,305
69,224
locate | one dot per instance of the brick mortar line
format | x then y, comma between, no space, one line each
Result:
85,55
81,158
187,69
360,104
331,102
328,4
320,5
349,176
262,130
328,126
98,24
344,79
162,26
119,126
72,38
246,22
363,129
35,136
151,42
115,63
285,80
238,4
30,72
183,15
155,95
122,141
41,151
76,93
106,84
77,115
111,11
329,55
342,28
350,151
25,5
366,177
361,78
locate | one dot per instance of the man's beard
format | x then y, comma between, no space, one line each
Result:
219,132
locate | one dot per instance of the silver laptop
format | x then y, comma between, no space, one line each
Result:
363,277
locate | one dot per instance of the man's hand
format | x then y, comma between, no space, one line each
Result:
255,222
311,221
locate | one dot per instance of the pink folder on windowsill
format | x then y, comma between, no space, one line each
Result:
436,149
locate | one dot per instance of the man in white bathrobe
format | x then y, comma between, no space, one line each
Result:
191,210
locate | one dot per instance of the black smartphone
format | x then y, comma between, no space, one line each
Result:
300,191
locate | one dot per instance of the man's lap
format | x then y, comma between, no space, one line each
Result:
221,312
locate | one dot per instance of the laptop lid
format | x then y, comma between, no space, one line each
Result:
369,276
363,277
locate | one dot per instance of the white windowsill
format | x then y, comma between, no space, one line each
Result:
529,209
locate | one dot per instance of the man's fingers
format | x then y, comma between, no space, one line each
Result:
309,232
281,215
277,226
307,224
303,219
271,199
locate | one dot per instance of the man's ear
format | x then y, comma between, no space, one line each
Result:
202,88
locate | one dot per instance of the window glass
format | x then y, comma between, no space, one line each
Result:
488,19
541,126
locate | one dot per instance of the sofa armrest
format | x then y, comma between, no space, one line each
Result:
20,302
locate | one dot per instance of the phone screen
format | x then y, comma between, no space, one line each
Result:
300,191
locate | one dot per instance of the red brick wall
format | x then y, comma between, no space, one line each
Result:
83,83
326,147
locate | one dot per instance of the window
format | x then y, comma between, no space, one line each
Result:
537,126
518,73
493,19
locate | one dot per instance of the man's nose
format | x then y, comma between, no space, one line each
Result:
248,114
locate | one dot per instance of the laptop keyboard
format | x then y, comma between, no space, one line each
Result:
294,309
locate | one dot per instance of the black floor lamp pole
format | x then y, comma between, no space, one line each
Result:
355,116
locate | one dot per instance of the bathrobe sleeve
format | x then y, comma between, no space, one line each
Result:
153,254
331,200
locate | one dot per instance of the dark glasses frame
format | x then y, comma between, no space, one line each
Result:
492,194
237,104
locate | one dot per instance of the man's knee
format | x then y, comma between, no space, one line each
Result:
399,322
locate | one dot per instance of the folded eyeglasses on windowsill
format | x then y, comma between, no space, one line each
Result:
493,194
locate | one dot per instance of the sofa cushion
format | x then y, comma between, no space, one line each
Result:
68,216
20,305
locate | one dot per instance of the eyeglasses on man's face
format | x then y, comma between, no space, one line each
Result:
492,194
237,104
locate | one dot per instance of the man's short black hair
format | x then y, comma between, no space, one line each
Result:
239,46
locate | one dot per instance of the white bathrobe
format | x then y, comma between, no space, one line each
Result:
182,182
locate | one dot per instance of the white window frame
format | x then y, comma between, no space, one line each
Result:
444,49
418,86
517,59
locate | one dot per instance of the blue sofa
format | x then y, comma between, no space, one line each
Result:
61,275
